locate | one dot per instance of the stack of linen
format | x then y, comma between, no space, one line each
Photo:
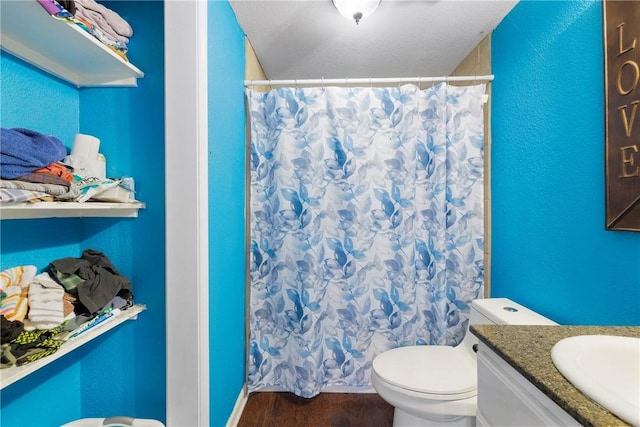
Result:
34,168
98,20
30,168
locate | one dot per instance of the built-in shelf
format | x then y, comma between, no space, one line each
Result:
60,47
69,209
9,376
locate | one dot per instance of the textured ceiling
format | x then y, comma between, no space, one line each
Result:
307,39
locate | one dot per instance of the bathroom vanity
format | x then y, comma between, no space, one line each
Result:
518,384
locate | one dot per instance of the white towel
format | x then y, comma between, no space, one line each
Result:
46,309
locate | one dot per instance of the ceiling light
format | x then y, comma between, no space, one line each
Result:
356,9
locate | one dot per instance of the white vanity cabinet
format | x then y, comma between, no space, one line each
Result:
506,398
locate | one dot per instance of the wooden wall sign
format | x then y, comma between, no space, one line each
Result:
622,122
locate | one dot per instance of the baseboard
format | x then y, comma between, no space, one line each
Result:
234,419
331,389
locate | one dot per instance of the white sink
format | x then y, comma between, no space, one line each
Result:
606,368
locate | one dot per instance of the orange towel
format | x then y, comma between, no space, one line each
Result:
57,169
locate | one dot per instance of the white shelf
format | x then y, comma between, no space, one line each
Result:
69,210
61,48
9,376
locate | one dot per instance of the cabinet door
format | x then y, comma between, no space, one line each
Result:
506,398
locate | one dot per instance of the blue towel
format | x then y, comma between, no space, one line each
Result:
23,150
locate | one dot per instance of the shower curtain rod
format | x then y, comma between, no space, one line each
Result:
394,80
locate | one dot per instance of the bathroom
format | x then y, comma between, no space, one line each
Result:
549,248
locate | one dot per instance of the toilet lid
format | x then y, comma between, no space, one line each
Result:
441,370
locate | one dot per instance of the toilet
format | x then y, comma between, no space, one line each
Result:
435,385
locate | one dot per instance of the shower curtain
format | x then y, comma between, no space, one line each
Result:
366,228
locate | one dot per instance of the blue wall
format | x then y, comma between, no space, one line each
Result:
33,100
121,372
131,124
550,250
226,209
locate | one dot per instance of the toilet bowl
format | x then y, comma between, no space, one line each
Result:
440,391
437,385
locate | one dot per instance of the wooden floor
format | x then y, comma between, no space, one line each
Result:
326,409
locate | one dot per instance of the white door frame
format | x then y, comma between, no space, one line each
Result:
187,216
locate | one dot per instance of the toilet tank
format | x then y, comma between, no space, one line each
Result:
503,311
499,311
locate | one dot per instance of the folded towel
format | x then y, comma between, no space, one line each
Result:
98,20
14,284
23,150
46,308
55,173
15,195
114,20
61,192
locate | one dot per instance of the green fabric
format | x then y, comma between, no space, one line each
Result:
30,346
69,281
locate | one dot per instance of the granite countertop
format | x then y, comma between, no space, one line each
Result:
528,350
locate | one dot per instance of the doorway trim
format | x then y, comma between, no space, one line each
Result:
187,214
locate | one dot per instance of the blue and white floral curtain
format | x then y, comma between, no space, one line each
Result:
366,228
